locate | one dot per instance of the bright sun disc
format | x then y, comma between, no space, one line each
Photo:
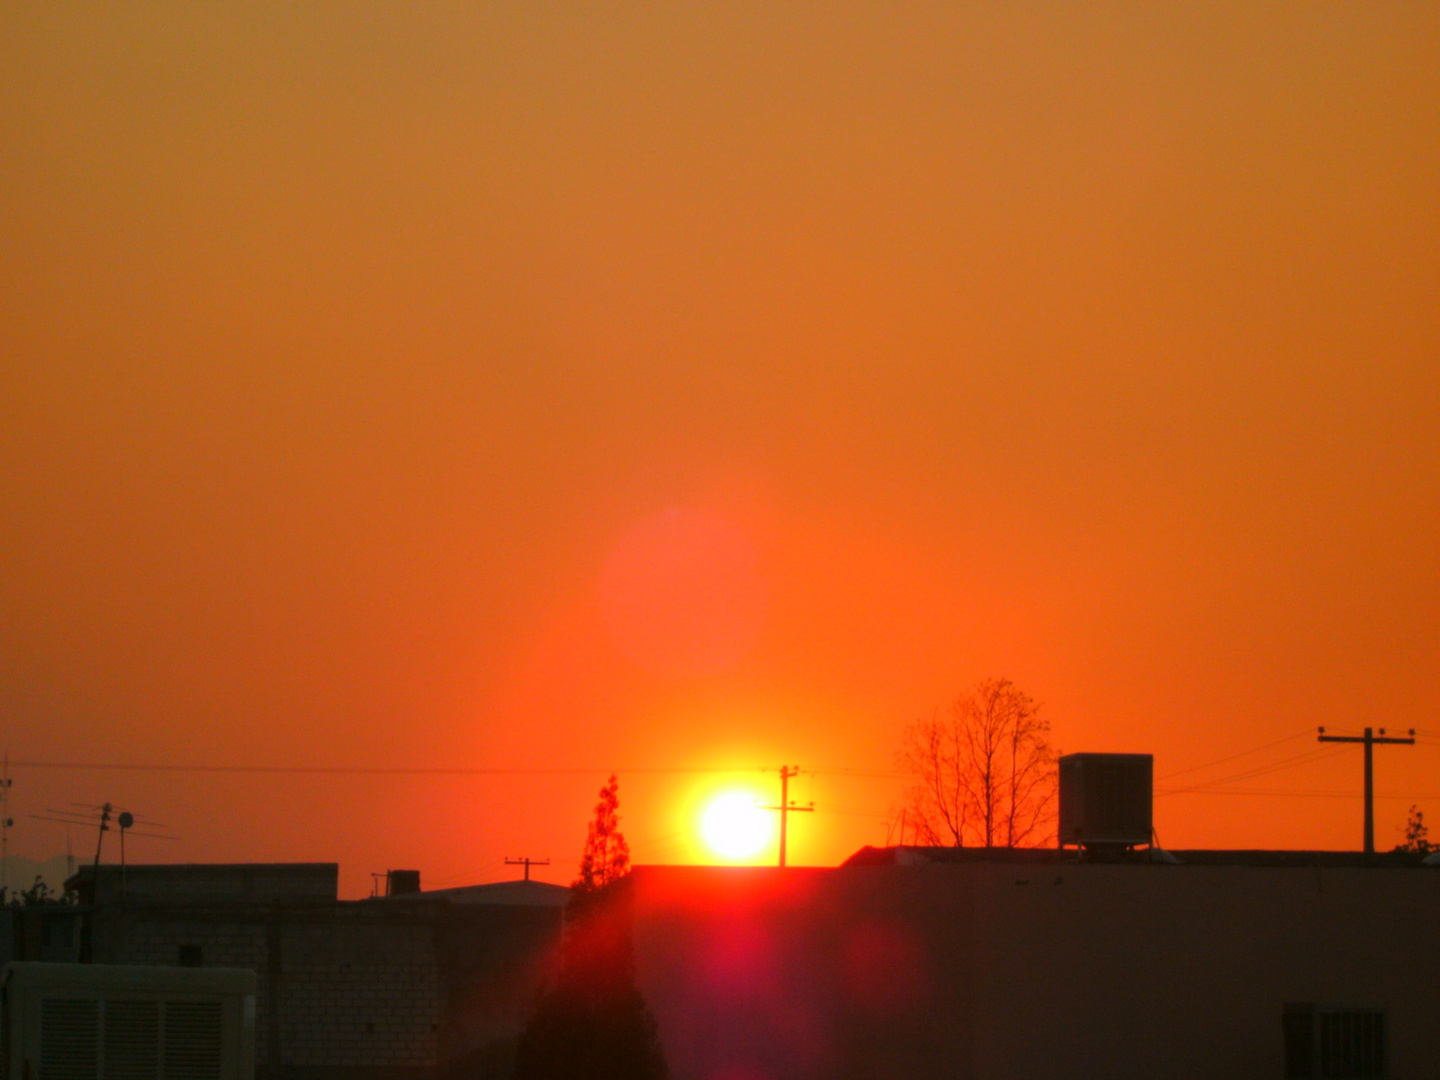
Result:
734,827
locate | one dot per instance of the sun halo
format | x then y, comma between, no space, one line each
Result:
735,827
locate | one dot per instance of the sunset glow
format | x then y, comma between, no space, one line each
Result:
735,827
412,414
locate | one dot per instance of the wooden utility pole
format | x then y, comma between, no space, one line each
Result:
527,863
6,822
1369,739
787,805
100,840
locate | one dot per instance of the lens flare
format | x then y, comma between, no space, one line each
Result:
735,827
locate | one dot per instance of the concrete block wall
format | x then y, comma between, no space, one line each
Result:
190,883
232,943
156,937
361,992
358,990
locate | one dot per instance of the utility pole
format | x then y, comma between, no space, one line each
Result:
100,840
527,863
1369,739
787,805
6,821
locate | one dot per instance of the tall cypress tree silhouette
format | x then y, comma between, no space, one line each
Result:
607,855
592,1024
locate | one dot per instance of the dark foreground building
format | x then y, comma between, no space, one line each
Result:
415,986
908,963
1034,965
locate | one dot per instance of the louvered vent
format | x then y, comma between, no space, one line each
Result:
69,1039
132,1040
1106,799
193,1040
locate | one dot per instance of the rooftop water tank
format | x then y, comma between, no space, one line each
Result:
1105,799
401,882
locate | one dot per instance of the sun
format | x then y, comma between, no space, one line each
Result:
735,827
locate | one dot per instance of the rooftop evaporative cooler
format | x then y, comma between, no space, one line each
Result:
1105,800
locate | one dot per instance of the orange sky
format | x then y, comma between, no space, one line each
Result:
375,377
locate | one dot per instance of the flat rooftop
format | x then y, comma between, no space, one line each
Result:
920,856
207,882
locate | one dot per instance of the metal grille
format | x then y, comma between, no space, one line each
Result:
132,1040
69,1039
1106,798
1352,1044
1333,1042
1299,1027
194,1039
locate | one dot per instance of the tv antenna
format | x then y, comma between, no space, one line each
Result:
526,862
100,817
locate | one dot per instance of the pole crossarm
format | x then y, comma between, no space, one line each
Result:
526,862
1369,739
787,805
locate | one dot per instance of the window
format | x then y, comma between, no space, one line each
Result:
1336,1042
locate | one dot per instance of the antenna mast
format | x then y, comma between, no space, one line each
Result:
87,815
125,820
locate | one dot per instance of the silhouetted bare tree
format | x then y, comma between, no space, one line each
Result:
1417,833
982,773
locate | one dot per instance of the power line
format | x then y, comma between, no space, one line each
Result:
426,770
378,770
659,847
1306,758
1232,757
1311,794
846,811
